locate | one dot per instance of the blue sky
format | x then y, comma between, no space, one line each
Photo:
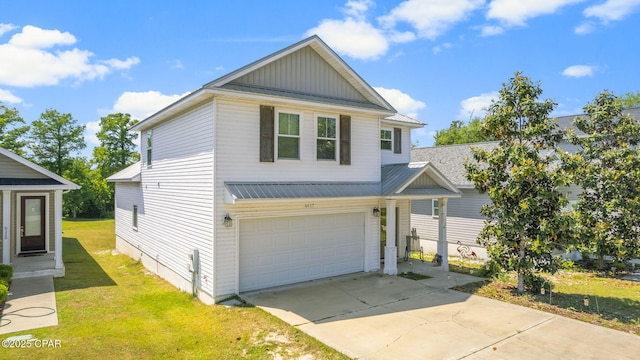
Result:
435,60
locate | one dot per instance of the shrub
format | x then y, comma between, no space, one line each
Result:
490,269
4,292
6,272
533,283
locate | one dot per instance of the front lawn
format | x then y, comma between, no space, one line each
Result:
109,306
597,298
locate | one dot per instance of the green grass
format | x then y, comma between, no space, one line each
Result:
109,306
613,303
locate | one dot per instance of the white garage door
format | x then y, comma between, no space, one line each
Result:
279,251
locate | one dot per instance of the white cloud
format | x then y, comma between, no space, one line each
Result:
430,18
584,28
516,13
355,38
175,64
122,64
357,8
140,105
476,106
7,97
404,103
578,71
5,28
612,10
491,30
26,61
439,48
91,128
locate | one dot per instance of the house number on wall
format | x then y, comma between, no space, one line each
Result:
309,206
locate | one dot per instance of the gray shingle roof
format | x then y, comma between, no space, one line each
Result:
566,122
450,159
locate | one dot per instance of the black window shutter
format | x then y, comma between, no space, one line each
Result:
345,140
397,140
267,116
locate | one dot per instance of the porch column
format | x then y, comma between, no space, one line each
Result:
443,247
390,250
58,228
6,226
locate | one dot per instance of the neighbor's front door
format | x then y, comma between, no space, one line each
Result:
32,224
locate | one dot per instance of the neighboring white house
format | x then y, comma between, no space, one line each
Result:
464,221
31,217
282,171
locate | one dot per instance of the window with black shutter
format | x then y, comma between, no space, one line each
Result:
267,116
397,140
345,140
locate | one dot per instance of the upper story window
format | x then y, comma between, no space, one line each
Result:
326,142
288,136
149,146
391,140
385,140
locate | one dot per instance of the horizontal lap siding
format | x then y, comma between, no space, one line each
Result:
464,221
10,168
178,194
237,132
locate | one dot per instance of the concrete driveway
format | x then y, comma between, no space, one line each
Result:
375,316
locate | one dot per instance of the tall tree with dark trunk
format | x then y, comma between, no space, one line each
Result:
524,219
55,138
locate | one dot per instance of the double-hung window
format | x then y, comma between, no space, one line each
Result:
288,136
385,139
435,208
326,142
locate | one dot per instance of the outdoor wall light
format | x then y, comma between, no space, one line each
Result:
586,301
376,211
228,222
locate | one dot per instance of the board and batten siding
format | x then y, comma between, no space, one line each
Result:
177,190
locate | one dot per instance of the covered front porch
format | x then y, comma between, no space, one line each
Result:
401,184
31,217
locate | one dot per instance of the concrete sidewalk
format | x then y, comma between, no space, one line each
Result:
375,316
31,304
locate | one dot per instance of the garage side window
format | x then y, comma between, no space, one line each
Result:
135,217
149,146
385,139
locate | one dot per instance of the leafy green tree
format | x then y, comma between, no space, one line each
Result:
630,100
94,197
12,130
54,138
117,149
459,133
524,219
607,167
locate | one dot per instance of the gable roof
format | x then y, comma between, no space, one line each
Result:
48,181
415,178
305,72
308,69
403,120
129,174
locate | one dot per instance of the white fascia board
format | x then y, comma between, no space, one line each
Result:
183,104
402,123
293,101
422,197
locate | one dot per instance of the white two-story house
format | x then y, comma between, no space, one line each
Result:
289,169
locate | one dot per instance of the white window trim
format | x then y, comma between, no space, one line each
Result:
46,219
276,130
434,208
390,140
148,135
317,137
